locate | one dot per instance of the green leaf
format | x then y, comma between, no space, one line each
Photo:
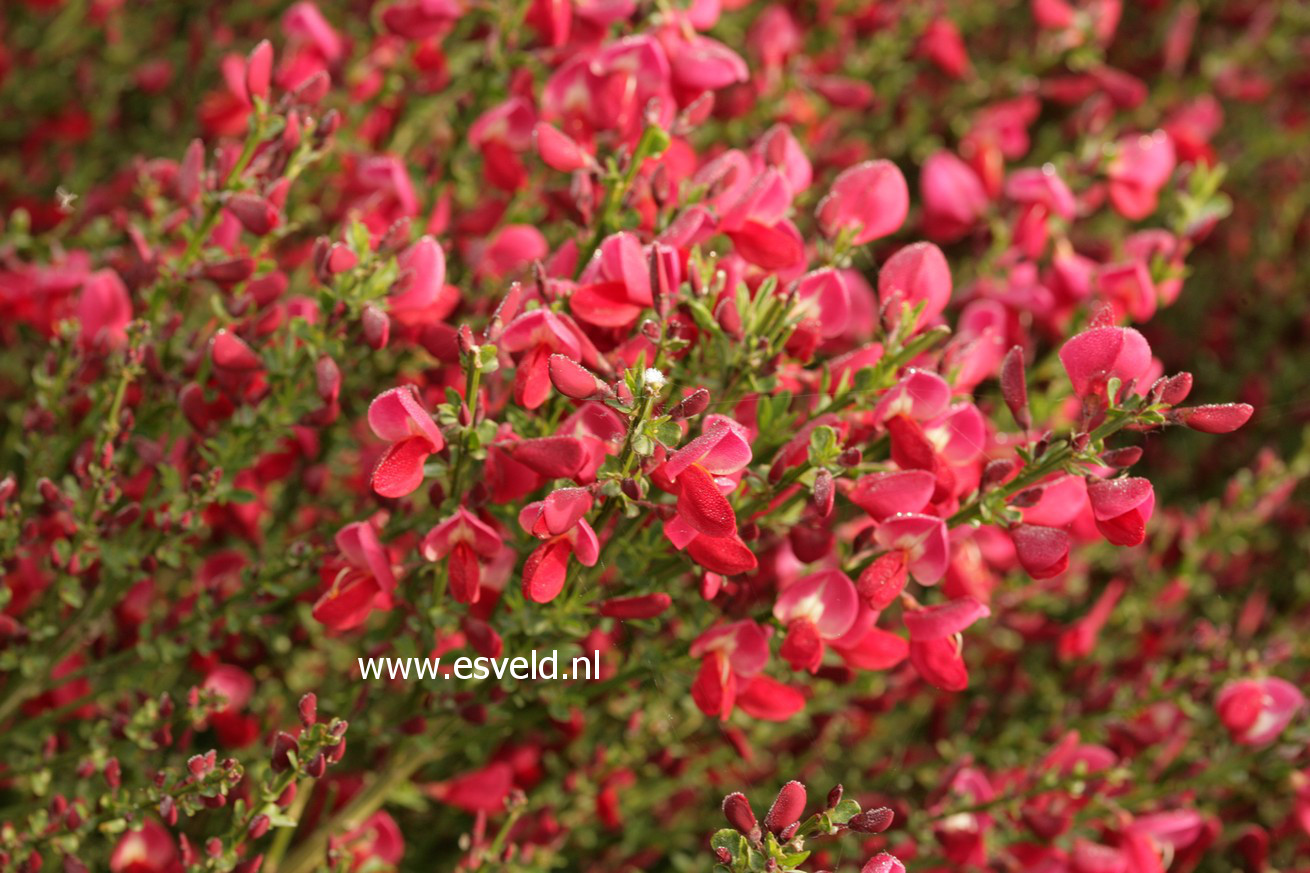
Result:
845,811
668,433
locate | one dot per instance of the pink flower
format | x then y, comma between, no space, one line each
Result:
921,542
1095,356
916,274
148,849
953,197
699,471
420,294
817,609
1122,507
731,655
1042,551
869,200
942,44
558,520
362,580
398,416
463,538
1140,168
944,620
1255,711
883,495
103,310
823,295
541,333
883,863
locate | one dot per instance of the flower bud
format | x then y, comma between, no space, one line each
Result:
1213,418
377,327
834,796
1172,390
737,810
256,214
259,826
823,493
692,405
308,708
1014,387
872,821
787,808
259,70
327,377
284,745
1122,458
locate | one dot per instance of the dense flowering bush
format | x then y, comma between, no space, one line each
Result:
809,369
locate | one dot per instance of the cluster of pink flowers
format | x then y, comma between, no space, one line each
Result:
636,354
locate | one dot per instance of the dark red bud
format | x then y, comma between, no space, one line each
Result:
1122,458
1014,387
787,808
1173,389
872,821
823,493
284,745
259,826
737,810
377,327
308,708
692,405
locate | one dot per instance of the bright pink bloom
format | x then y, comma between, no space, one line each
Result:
942,44
921,540
1140,168
1095,356
870,200
731,654
953,197
148,849
361,581
883,863
1122,507
700,470
1255,711
916,274
398,417
559,521
1042,551
559,150
1079,640
103,310
817,609
1214,418
464,539
823,295
940,663
883,495
944,620
540,333
420,293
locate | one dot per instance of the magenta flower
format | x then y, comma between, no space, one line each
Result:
869,200
921,542
398,417
1255,711
558,520
1122,507
464,539
816,610
1100,354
